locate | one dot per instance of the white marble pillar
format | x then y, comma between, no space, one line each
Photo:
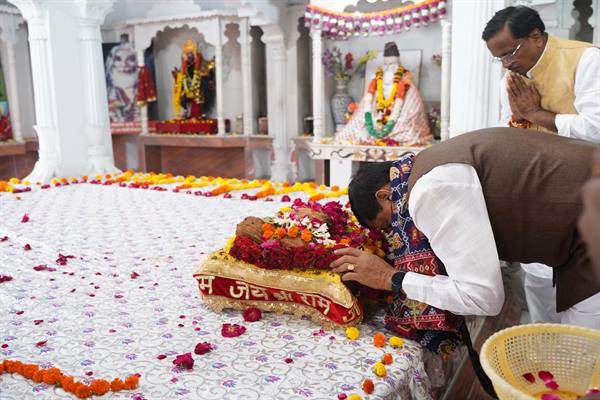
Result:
475,98
9,24
97,124
45,110
446,77
219,78
246,61
318,85
143,108
276,89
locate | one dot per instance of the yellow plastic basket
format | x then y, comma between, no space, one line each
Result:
570,353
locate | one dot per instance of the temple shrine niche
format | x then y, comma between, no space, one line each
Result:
400,101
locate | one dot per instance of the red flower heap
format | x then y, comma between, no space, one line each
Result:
302,236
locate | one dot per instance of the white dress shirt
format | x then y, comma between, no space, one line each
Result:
585,124
448,206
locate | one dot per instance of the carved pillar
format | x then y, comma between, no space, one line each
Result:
275,49
446,77
45,112
8,35
219,78
144,108
246,61
318,85
97,125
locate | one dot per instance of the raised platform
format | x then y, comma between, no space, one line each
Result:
200,154
342,160
17,159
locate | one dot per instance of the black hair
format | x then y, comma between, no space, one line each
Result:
520,20
369,178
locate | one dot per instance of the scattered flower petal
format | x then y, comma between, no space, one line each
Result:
379,369
396,342
367,386
42,343
27,247
232,330
288,360
25,218
252,314
5,278
342,396
352,333
161,356
184,361
545,376
3,238
529,377
552,385
203,348
379,339
592,391
548,396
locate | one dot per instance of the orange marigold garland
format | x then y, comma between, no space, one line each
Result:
53,376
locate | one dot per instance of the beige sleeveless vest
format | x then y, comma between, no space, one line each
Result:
554,75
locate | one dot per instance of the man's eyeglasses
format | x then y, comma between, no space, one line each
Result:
506,59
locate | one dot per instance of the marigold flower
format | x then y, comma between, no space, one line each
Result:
293,231
396,342
49,378
379,339
367,386
267,234
352,333
37,377
354,397
317,197
68,384
116,385
99,387
1,368
131,382
268,227
280,232
82,391
306,235
379,369
387,359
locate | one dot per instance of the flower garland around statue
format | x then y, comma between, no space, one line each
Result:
386,116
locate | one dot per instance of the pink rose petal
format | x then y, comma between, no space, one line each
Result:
548,396
342,396
41,267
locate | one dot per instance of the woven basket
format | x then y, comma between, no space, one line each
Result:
570,353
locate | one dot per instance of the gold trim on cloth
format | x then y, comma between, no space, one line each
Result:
327,284
218,303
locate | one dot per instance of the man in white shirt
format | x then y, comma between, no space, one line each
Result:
516,37
493,194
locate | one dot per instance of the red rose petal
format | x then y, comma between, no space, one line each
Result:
288,360
4,345
552,385
134,275
38,321
548,396
5,278
232,330
252,314
203,348
592,391
27,247
19,312
89,373
184,361
42,343
3,238
161,356
25,218
342,396
529,376
41,267
545,376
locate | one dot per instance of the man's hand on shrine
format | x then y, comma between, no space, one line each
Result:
365,268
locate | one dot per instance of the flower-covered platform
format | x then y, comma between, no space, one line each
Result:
102,287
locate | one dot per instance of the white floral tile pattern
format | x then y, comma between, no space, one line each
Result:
128,296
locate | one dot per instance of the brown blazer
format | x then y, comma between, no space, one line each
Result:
531,183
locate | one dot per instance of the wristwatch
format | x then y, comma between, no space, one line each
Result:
397,281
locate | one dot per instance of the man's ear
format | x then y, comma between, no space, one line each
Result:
383,194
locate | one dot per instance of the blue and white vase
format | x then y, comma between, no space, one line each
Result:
340,102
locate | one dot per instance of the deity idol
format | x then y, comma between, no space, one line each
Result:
121,82
194,84
391,111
